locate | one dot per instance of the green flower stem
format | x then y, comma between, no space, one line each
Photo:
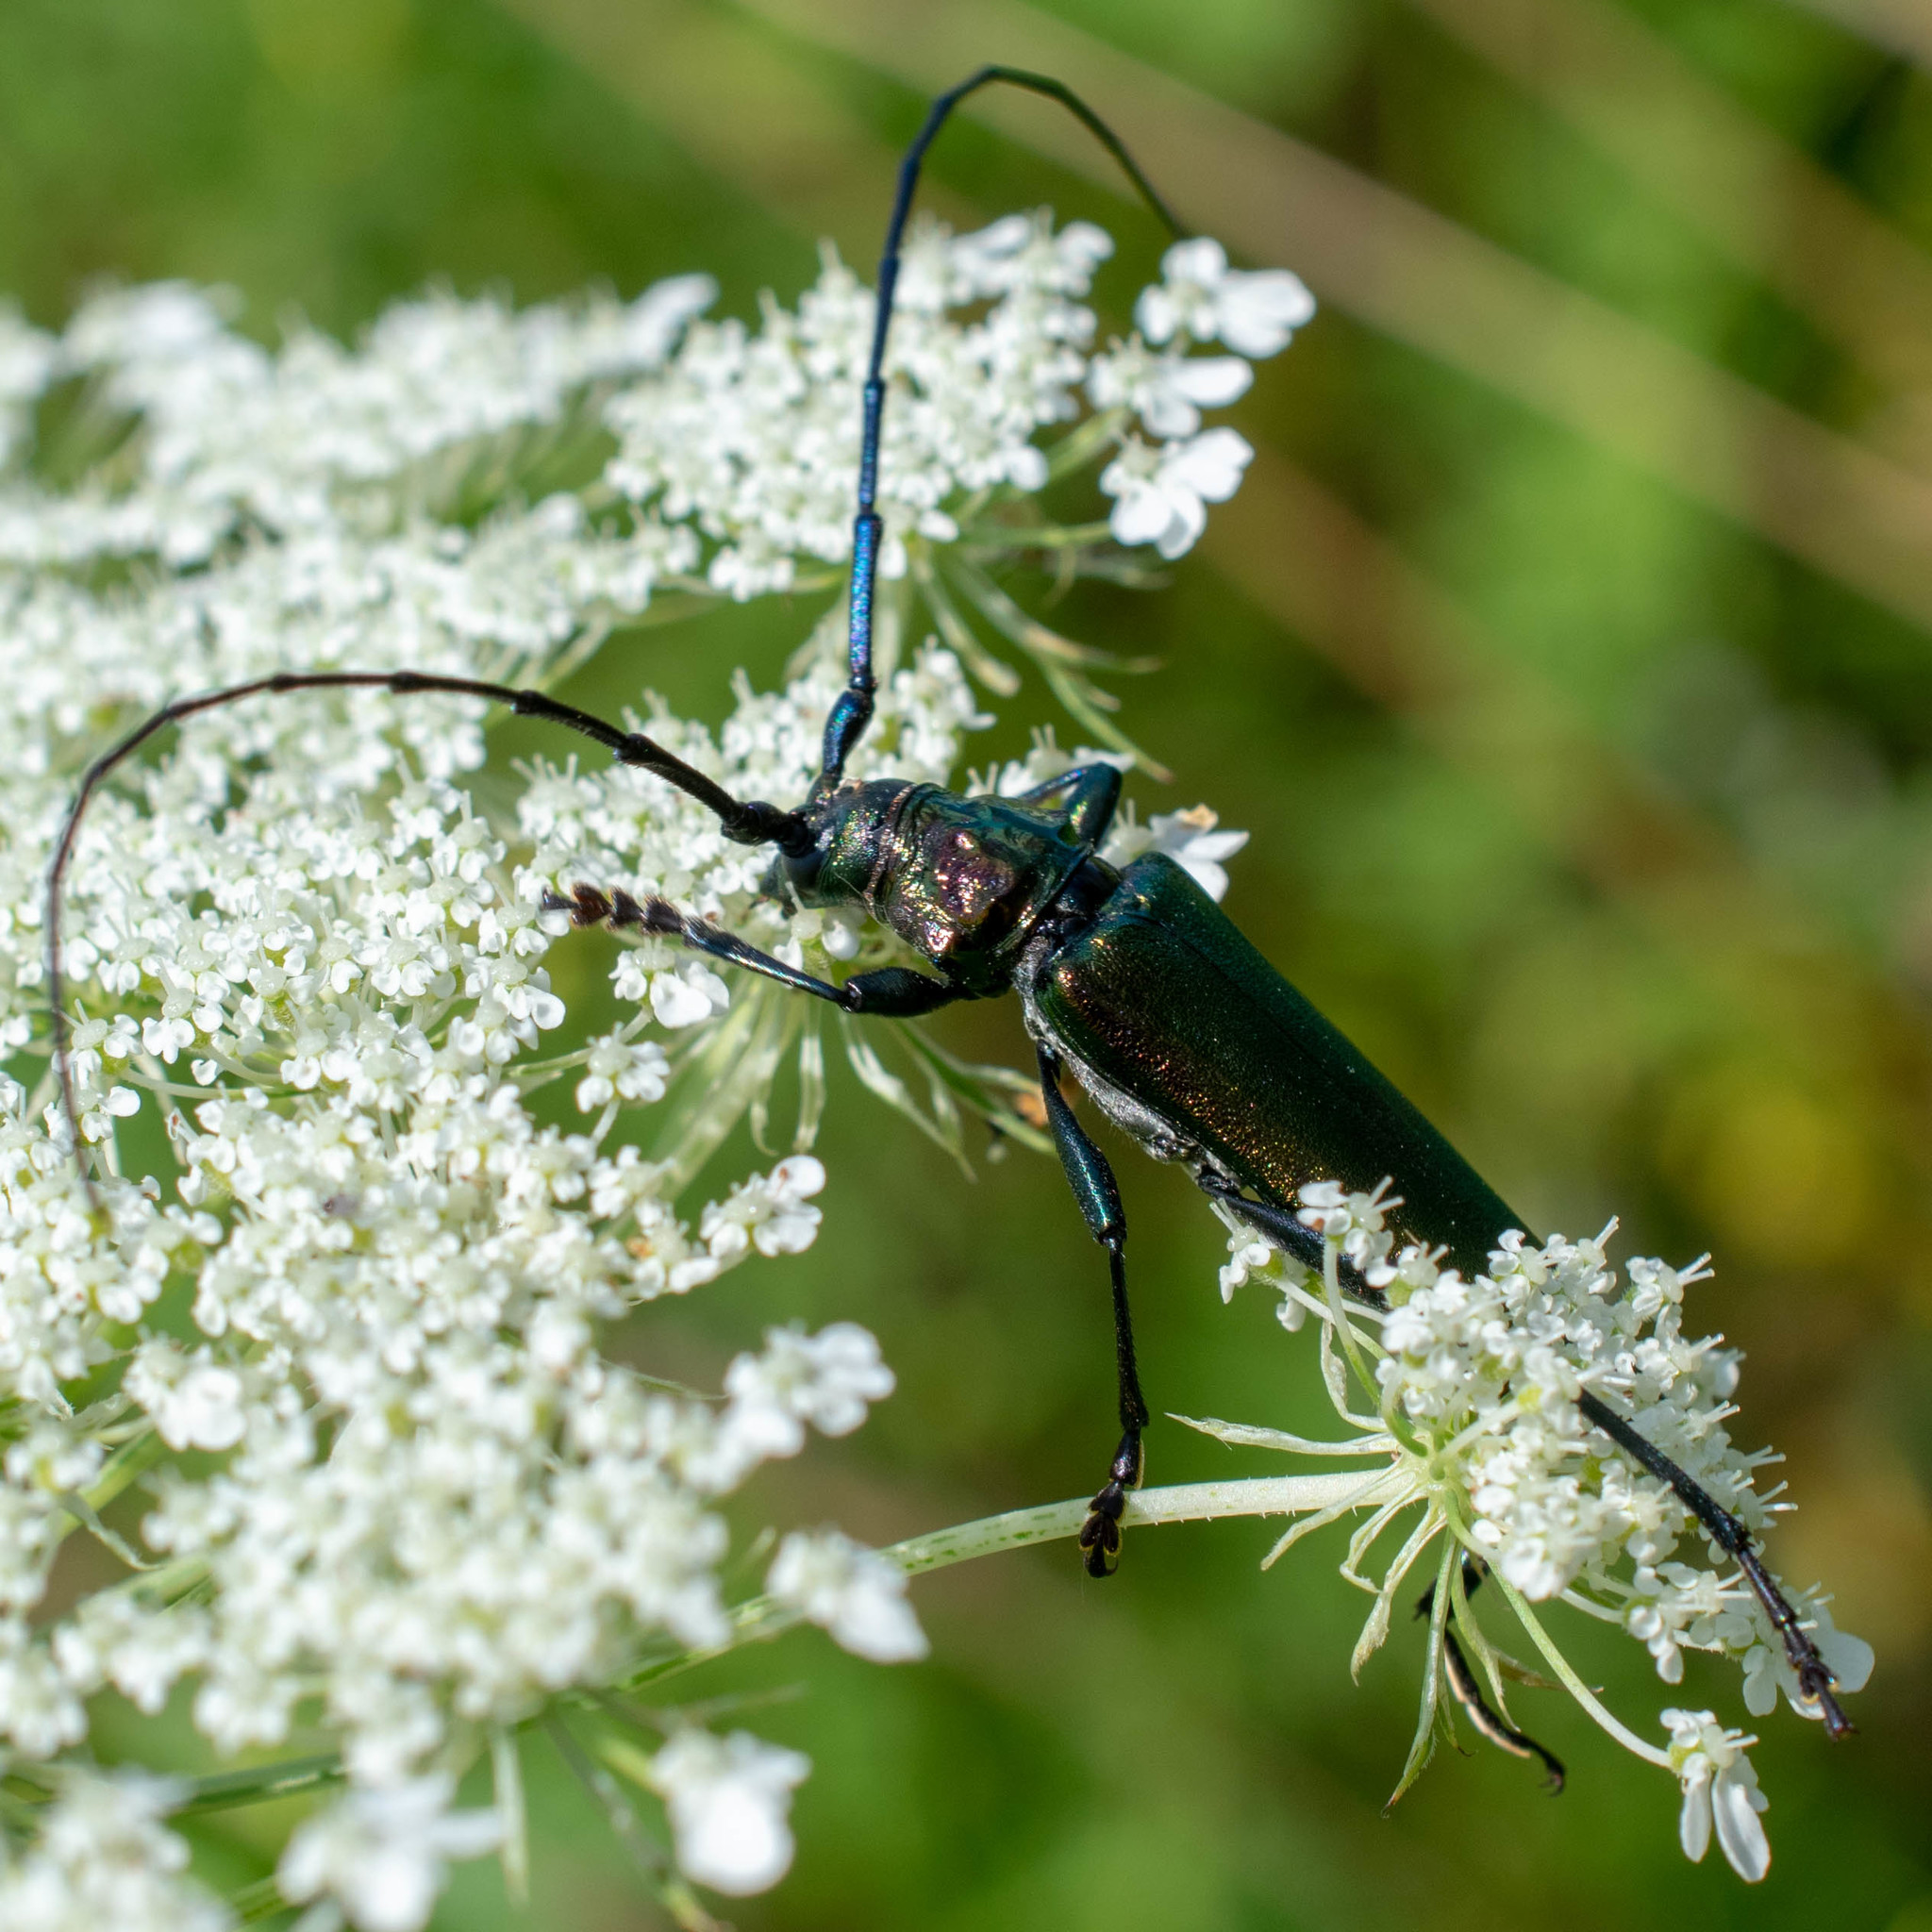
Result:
128,1464
760,1618
1080,446
1571,1682
1274,1495
1345,1333
1423,1748
1004,537
228,1789
507,1783
959,635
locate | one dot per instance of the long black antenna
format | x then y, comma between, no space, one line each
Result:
750,822
852,713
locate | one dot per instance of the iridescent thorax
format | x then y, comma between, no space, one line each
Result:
961,880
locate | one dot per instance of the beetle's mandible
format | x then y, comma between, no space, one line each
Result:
1131,980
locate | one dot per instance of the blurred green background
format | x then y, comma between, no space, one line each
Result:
1569,653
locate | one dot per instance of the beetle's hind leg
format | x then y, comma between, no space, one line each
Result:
1815,1678
1099,1196
1282,1226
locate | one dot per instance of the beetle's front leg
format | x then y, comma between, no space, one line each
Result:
1090,795
1099,1196
893,992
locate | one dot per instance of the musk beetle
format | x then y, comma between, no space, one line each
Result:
1133,981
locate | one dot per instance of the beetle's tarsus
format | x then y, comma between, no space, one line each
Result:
1100,1535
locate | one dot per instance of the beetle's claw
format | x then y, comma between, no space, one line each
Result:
1100,1535
1816,1684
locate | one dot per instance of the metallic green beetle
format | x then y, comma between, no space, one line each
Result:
1134,981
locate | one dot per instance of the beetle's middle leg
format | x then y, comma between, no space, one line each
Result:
1099,1196
1468,1689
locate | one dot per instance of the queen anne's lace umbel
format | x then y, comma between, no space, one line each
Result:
349,1353
1480,1452
393,1492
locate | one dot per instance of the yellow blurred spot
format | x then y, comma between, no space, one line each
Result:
1864,1529
1780,1172
333,48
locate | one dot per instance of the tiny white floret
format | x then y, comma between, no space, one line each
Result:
729,1802
380,1853
1719,1785
856,1593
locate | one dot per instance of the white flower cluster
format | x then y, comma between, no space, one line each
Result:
381,1856
441,1505
1162,488
751,435
333,1391
232,436
103,1859
1474,1385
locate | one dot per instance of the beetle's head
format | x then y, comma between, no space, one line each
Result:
961,880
